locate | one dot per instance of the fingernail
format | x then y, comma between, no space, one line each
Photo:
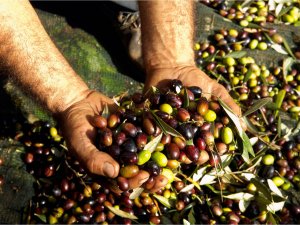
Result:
109,169
143,181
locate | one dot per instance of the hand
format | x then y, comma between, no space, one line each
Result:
80,135
191,76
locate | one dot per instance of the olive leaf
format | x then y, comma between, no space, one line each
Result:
243,205
247,76
262,188
257,105
191,216
286,66
240,195
246,3
272,5
219,77
199,173
186,101
278,9
226,159
105,112
185,222
274,188
121,213
275,206
166,202
279,48
187,188
166,128
42,217
271,219
236,54
151,145
232,116
284,10
279,99
288,49
136,192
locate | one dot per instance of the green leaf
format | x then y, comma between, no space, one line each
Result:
285,10
219,77
226,159
279,99
151,145
288,49
166,202
185,222
246,3
42,217
262,188
236,54
251,127
121,213
240,195
232,116
247,76
271,219
257,105
191,216
243,205
199,173
166,128
186,101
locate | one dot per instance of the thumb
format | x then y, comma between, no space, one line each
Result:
95,161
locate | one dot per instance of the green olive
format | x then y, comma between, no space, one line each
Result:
268,159
210,116
166,108
159,158
168,174
278,181
143,157
227,135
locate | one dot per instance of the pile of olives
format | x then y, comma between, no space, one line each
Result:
179,119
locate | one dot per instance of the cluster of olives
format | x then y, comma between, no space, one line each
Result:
257,12
140,119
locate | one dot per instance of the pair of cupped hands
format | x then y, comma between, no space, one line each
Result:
80,134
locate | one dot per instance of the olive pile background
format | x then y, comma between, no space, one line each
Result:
66,194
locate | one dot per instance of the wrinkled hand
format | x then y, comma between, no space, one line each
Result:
80,135
191,76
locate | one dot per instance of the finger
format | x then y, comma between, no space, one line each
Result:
138,180
95,161
160,182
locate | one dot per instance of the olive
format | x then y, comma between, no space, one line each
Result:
200,143
114,151
113,120
129,129
192,153
129,171
210,116
197,91
155,98
186,130
167,108
183,115
152,168
159,158
141,140
172,151
148,126
176,85
119,138
227,135
202,106
268,159
143,157
173,100
129,157
129,145
106,137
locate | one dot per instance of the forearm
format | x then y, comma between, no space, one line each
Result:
30,57
167,33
